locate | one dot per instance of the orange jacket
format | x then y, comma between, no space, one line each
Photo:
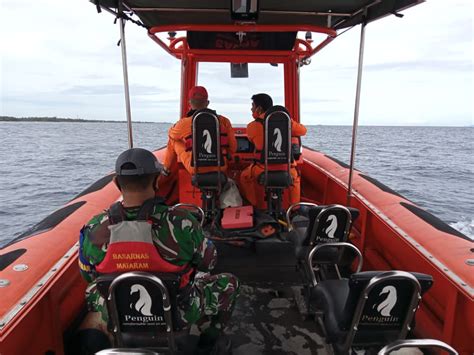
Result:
255,132
183,129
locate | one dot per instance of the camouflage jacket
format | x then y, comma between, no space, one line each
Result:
177,236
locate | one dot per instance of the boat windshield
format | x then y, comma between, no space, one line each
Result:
231,97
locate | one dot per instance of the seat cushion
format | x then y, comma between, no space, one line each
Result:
325,256
210,181
182,338
330,296
297,237
277,179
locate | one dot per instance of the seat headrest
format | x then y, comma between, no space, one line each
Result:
276,108
204,110
363,278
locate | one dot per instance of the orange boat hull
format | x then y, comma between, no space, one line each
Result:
44,301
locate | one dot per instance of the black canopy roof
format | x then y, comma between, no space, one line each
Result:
335,14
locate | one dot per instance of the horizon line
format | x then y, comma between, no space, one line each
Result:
55,119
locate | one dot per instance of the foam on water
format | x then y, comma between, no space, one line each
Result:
465,226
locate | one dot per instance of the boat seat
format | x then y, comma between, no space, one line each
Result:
417,343
370,308
276,156
196,211
319,225
135,351
207,155
143,310
339,254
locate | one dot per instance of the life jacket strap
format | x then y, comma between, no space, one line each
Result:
117,214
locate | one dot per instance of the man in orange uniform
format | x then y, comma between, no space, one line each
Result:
182,132
249,186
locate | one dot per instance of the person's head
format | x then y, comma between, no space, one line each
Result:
136,171
198,98
260,104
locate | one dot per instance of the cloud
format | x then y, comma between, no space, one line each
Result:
98,90
42,100
428,65
416,69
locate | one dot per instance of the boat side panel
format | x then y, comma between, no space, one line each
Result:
384,233
42,301
42,323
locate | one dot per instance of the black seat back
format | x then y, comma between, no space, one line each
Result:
207,153
329,224
277,147
276,156
382,305
326,224
206,140
142,307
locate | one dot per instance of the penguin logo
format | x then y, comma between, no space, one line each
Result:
332,227
207,141
386,306
143,305
278,140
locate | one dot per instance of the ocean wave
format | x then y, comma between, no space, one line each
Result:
465,226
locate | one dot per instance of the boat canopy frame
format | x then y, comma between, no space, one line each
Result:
292,59
332,14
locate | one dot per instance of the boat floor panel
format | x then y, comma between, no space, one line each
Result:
268,321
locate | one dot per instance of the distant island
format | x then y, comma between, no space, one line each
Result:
60,119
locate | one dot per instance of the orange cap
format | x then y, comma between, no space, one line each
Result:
198,93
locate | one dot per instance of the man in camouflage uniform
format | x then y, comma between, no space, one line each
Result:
179,240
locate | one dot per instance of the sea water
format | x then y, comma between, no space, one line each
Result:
45,164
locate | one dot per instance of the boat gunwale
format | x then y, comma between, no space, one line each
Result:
40,287
462,285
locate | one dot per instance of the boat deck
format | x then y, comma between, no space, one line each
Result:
267,320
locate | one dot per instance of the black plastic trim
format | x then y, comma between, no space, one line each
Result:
49,222
341,163
434,221
381,186
10,257
96,186
313,150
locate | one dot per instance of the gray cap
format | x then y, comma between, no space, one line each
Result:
137,161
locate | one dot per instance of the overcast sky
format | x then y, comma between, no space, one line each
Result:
60,58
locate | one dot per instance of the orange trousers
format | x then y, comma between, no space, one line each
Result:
177,149
255,193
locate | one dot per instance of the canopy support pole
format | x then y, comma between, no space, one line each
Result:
356,108
189,74
125,76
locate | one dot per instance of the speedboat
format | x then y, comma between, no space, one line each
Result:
303,288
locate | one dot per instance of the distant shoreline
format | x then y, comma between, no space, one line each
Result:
60,119
81,120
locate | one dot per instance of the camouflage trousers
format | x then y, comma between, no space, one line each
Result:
211,301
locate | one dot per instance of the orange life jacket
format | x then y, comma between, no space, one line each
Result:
131,246
224,141
295,147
